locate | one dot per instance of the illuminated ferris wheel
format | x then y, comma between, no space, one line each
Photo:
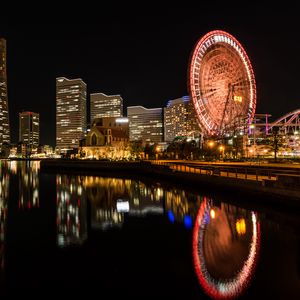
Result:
221,82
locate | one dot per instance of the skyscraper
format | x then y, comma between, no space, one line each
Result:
179,119
70,112
4,116
106,106
29,128
145,124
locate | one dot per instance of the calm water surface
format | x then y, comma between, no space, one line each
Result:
124,237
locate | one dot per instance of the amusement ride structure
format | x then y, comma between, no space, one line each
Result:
223,90
221,83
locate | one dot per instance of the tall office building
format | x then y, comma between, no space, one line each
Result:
4,115
70,112
106,106
179,119
145,124
29,128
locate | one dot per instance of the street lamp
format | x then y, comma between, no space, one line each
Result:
221,148
252,126
157,149
211,145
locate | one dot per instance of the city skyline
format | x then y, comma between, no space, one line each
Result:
145,62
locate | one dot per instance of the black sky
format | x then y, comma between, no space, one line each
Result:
144,56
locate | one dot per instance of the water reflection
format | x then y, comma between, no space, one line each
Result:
182,206
110,199
71,208
138,231
226,242
28,175
4,194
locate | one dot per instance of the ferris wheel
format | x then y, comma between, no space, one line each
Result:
221,82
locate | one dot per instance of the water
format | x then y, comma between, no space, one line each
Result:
121,237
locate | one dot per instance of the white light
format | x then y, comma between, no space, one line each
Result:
122,120
122,206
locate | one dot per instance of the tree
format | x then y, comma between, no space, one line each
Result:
276,141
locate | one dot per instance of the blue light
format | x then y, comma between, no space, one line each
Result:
206,218
188,222
186,98
169,103
171,216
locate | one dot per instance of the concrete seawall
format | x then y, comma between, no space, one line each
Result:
268,192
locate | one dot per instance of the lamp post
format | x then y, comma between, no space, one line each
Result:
252,126
221,148
156,152
275,130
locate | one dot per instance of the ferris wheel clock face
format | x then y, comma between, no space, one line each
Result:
221,82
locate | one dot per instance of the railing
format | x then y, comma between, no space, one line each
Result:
240,172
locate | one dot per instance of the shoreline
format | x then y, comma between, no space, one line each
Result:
262,192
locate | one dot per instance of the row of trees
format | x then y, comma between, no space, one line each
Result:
210,149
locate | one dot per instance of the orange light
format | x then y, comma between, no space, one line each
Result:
240,226
212,213
238,99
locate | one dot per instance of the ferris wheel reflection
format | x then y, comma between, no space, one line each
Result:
226,244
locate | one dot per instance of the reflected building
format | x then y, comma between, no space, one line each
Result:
182,206
145,199
28,174
112,198
71,209
226,243
4,194
103,194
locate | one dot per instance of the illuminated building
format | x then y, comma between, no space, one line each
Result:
106,106
4,115
119,123
70,112
108,138
145,124
179,118
29,128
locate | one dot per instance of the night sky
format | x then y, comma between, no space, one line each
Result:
144,56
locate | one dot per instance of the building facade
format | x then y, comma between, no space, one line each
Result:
70,112
145,124
120,123
4,115
108,138
105,106
29,128
179,119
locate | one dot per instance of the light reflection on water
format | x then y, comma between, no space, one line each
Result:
226,243
224,239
